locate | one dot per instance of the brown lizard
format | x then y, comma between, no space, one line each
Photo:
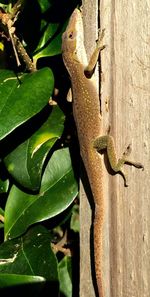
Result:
86,112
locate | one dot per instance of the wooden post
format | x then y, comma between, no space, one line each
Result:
125,101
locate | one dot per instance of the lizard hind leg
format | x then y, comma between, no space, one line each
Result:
129,162
107,142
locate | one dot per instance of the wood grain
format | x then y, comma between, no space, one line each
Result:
125,100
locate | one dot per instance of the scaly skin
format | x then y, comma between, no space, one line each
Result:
86,111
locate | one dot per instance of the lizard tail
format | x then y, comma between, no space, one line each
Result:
97,232
93,164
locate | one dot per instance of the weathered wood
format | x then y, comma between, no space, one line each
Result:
125,95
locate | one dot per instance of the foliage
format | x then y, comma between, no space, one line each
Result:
38,187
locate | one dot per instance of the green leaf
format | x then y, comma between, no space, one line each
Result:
51,33
50,42
4,6
20,102
30,255
25,163
44,5
74,224
28,284
1,211
65,276
4,184
9,280
58,190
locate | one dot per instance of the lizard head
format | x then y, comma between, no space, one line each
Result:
73,34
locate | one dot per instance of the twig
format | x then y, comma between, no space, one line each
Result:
8,20
16,8
23,54
2,218
11,31
57,248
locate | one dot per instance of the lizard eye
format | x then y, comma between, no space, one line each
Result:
71,35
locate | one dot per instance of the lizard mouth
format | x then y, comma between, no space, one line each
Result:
75,17
73,37
74,24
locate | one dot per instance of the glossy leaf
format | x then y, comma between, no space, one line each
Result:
65,276
51,32
29,255
14,285
21,101
25,163
51,40
58,190
11,280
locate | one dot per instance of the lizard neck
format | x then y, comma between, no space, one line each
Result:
74,66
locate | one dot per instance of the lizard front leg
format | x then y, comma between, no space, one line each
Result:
89,70
107,142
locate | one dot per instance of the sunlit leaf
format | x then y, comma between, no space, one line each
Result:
50,42
22,99
58,190
16,284
25,163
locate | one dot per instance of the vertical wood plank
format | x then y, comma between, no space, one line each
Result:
125,88
125,96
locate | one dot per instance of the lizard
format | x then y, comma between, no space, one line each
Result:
88,120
